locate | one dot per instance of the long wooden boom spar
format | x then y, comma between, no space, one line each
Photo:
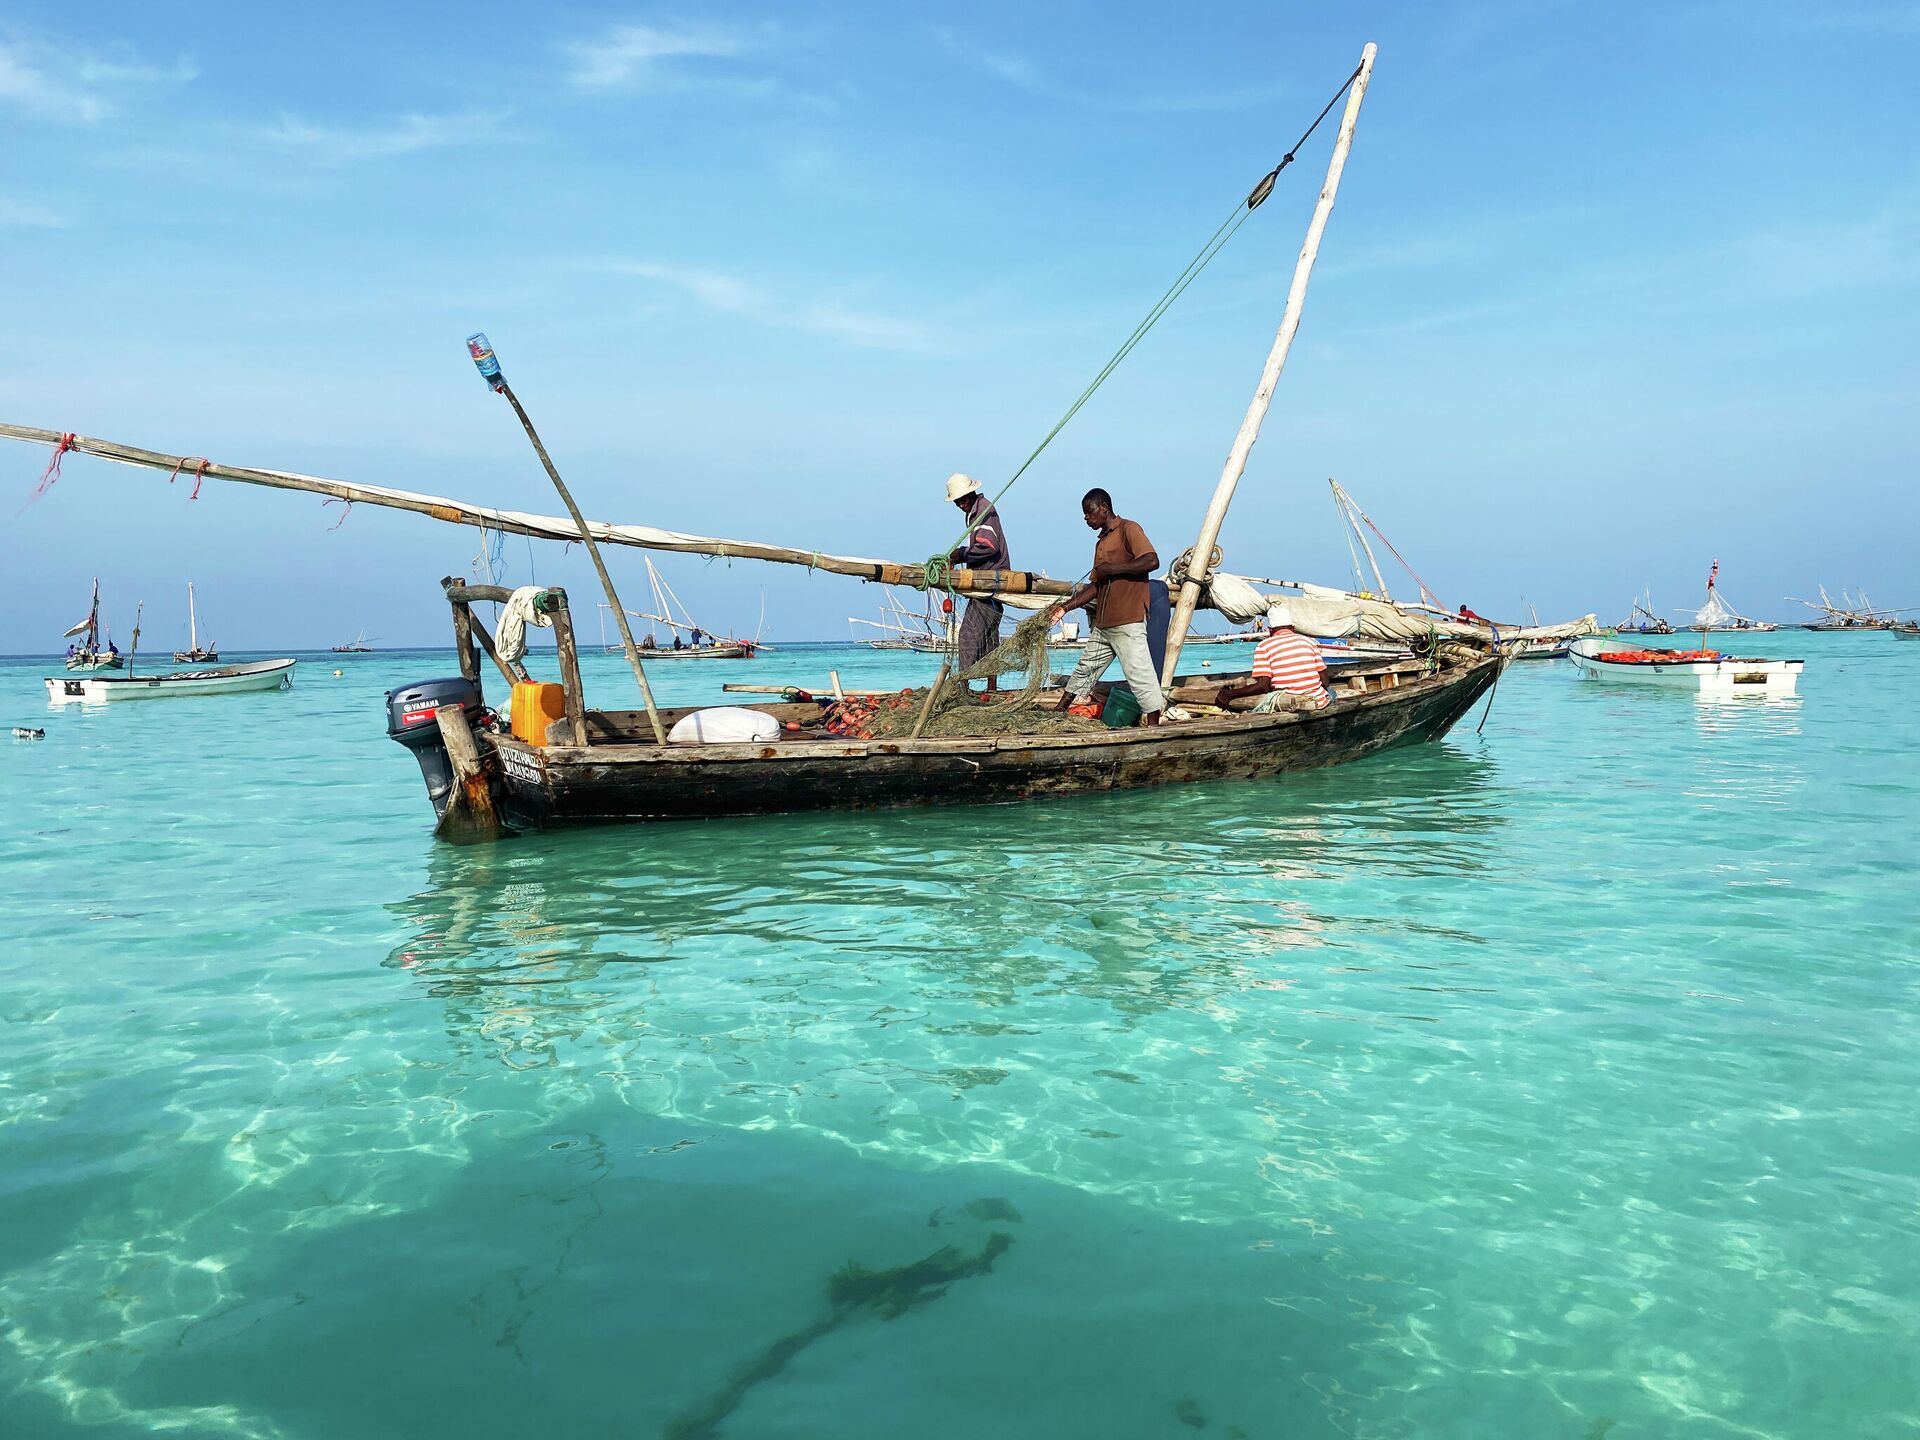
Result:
989,583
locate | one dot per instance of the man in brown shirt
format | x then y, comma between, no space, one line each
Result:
1116,594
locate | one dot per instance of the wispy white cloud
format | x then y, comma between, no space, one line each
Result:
18,214
1015,70
640,56
1023,74
404,135
71,86
710,287
734,295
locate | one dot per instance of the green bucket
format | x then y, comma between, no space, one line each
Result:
1122,711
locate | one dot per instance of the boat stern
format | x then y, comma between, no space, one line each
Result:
410,722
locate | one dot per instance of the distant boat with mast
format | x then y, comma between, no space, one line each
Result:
88,654
356,646
1851,612
700,644
195,654
1529,642
1641,619
905,629
1718,616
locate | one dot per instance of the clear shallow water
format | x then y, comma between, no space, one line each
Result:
1556,1082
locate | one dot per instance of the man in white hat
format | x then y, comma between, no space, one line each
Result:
1288,669
985,548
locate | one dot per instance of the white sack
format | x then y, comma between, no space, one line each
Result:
724,725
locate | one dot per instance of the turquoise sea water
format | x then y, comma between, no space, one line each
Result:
1555,1082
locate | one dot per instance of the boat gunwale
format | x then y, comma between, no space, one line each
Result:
638,750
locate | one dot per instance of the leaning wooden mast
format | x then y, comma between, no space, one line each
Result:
1197,573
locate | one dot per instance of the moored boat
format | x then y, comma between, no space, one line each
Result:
602,767
1716,616
195,653
1703,672
1851,613
90,654
217,680
700,644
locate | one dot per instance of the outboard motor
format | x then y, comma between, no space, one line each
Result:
410,721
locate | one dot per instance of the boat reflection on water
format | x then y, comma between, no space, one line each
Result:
1139,902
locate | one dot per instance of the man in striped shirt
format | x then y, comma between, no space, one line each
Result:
1286,664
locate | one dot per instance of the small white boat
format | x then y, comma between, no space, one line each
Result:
218,680
1703,672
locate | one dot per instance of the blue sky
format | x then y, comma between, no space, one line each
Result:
1610,291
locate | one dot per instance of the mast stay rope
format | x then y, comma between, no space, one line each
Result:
1202,258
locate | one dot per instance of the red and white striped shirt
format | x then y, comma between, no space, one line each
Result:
1293,663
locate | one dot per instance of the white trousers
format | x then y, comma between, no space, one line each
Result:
1127,643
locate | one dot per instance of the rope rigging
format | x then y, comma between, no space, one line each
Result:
1216,242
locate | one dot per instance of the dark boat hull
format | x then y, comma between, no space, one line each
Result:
628,781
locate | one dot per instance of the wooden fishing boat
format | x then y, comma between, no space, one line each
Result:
217,680
195,654
1717,617
556,762
600,767
1642,620
1851,613
89,654
1551,648
1702,672
356,646
902,628
668,611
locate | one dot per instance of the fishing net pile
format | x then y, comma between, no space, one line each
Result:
958,714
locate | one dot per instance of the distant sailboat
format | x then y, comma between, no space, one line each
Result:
356,646
1717,614
1641,620
905,629
194,654
88,655
1850,612
700,644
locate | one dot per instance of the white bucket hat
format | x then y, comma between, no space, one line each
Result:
1278,617
959,486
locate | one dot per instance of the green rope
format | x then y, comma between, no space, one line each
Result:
1200,261
1202,258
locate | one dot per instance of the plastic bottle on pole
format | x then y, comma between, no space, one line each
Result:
485,361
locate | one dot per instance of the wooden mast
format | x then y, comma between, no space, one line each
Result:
1236,464
1347,507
